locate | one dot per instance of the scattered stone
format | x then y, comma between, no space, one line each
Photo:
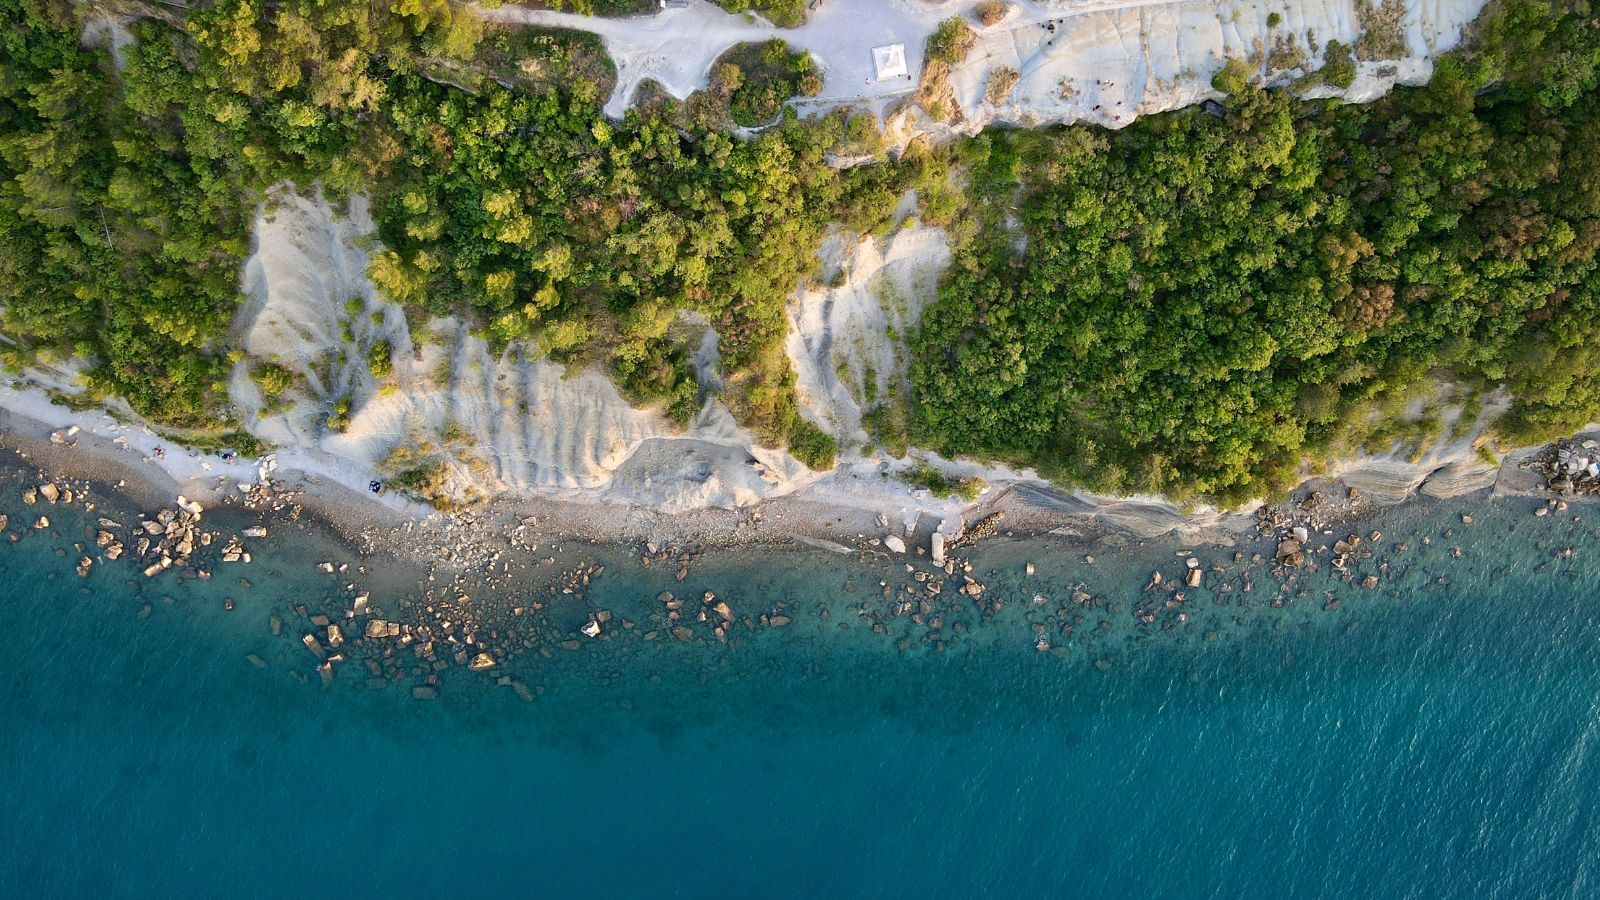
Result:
894,543
480,662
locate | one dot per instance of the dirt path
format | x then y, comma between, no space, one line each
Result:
1099,60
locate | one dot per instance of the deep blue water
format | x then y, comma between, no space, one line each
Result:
1423,741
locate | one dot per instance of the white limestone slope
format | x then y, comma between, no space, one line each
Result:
1126,57
504,423
852,328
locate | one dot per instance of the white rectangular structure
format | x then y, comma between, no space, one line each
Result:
890,61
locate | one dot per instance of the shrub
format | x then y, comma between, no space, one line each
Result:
272,379
380,359
339,419
950,42
811,445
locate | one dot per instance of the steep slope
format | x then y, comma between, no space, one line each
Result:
493,422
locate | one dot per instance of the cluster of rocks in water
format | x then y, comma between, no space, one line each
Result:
171,539
1570,468
473,610
1301,531
168,539
352,628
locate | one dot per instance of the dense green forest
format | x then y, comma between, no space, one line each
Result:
127,197
1194,304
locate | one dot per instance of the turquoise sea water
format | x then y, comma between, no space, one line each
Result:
1424,739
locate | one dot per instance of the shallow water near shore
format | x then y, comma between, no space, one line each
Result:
1433,737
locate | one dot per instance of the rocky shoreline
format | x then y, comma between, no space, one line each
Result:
370,523
402,598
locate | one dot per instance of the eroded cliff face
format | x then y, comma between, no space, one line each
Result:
847,332
487,422
1112,62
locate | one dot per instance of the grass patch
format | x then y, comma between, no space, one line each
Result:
925,475
1001,83
990,12
1382,35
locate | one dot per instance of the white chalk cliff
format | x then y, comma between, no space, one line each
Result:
506,422
509,422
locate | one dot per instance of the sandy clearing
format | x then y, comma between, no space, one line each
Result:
1106,62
